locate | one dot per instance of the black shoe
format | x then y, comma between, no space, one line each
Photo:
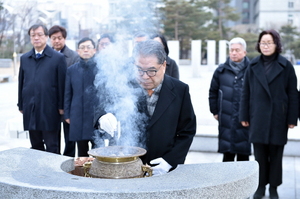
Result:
260,193
273,192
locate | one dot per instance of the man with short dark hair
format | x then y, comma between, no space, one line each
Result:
139,36
80,97
58,35
41,91
104,41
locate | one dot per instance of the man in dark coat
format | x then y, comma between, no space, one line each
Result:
58,35
172,122
80,97
41,90
224,101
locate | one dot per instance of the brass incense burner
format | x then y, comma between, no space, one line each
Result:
117,162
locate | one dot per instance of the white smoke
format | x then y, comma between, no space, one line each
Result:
117,71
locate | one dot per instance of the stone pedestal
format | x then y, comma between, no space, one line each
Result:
27,173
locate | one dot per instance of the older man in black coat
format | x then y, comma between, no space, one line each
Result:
41,90
224,101
172,122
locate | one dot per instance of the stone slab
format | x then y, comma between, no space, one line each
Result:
27,173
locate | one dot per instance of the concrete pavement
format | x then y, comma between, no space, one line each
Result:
11,121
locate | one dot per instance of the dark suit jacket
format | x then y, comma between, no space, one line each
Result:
41,89
71,56
172,127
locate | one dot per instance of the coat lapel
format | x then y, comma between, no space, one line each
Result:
166,96
274,72
48,51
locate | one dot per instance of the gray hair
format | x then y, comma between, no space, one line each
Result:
150,48
238,40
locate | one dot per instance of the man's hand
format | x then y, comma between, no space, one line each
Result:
61,111
291,126
162,167
216,117
108,123
245,123
68,121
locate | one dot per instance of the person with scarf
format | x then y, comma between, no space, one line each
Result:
224,99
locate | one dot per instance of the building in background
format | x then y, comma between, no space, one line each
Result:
265,14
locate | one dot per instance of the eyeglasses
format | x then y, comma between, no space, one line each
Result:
150,73
265,44
38,35
86,47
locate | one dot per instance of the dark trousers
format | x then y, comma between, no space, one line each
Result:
69,145
83,147
229,157
40,139
269,158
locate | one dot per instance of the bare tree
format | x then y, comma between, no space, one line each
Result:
4,21
27,16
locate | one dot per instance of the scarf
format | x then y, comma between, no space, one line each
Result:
237,66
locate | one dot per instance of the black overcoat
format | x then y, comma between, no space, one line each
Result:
80,99
172,127
224,101
41,89
269,103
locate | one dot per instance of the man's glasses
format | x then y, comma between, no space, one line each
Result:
150,73
86,47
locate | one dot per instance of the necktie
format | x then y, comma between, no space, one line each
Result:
150,92
38,55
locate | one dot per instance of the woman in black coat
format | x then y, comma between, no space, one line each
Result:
269,106
224,100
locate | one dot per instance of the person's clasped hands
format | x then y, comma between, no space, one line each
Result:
162,166
108,123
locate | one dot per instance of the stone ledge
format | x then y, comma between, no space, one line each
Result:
26,173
